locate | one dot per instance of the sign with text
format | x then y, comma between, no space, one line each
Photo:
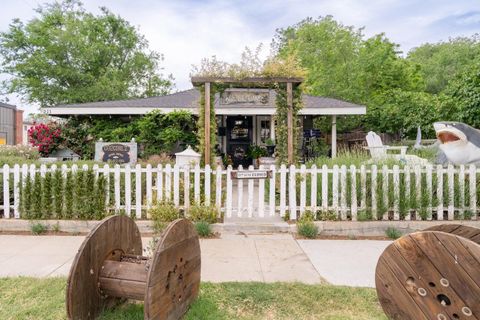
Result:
116,152
251,174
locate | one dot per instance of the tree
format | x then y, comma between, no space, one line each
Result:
442,62
68,55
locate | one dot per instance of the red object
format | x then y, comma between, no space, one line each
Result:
44,136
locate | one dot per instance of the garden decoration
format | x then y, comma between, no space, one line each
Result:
433,274
459,142
109,268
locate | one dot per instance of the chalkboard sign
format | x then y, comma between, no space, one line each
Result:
116,152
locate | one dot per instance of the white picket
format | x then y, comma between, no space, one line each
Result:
6,191
176,185
386,204
186,188
218,188
272,202
303,189
440,192
239,194
396,193
407,194
168,182
261,196
335,190
128,190
418,189
43,170
116,186
343,192
208,172
292,193
472,178
106,175
148,186
283,190
451,192
138,191
374,192
354,204
16,191
196,185
159,183
313,189
324,188
363,187
250,195
229,199
461,191
428,169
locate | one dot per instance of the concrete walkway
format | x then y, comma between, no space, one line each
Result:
268,258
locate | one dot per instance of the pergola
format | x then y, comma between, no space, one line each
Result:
258,82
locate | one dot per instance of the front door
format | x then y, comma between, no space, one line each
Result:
239,138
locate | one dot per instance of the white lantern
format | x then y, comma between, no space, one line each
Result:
187,157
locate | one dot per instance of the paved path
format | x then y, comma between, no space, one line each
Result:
345,262
263,258
232,258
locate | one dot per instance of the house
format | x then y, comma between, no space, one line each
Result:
244,116
11,124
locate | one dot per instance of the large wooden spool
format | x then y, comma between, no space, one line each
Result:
433,274
109,268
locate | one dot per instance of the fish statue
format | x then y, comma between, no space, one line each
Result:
458,141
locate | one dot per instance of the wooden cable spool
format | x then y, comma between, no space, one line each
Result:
433,274
109,268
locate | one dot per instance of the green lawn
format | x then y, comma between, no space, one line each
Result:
31,298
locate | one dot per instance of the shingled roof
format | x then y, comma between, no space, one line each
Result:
189,99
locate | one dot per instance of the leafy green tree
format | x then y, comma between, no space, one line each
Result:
68,55
442,62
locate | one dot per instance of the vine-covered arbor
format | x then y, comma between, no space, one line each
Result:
287,109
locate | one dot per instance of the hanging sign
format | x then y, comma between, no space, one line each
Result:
251,174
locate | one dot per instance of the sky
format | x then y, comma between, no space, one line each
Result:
185,31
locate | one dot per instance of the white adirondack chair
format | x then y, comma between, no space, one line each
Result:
379,151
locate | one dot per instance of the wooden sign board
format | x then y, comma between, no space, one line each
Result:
251,174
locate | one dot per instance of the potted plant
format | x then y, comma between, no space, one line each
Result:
254,152
270,146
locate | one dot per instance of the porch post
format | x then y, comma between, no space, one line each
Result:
272,127
207,123
334,136
290,122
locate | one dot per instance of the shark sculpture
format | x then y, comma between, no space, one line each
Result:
459,142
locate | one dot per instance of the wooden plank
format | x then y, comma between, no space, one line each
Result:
6,191
218,188
343,192
16,191
283,190
313,189
290,123
128,190
385,180
229,198
266,80
159,183
408,193
250,195
451,192
261,196
186,188
472,179
354,204
116,187
207,124
138,191
418,189
396,193
303,189
461,191
149,190
176,185
208,173
428,169
106,175
324,188
363,187
335,190
440,192
196,188
239,194
272,202
292,193
168,182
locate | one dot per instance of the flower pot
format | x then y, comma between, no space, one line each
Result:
270,150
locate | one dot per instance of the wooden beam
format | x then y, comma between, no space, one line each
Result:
290,123
334,136
260,80
207,123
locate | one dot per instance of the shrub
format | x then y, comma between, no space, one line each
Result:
162,213
393,233
203,228
203,213
307,228
38,228
19,151
45,136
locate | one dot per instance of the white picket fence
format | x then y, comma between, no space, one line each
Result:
417,192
